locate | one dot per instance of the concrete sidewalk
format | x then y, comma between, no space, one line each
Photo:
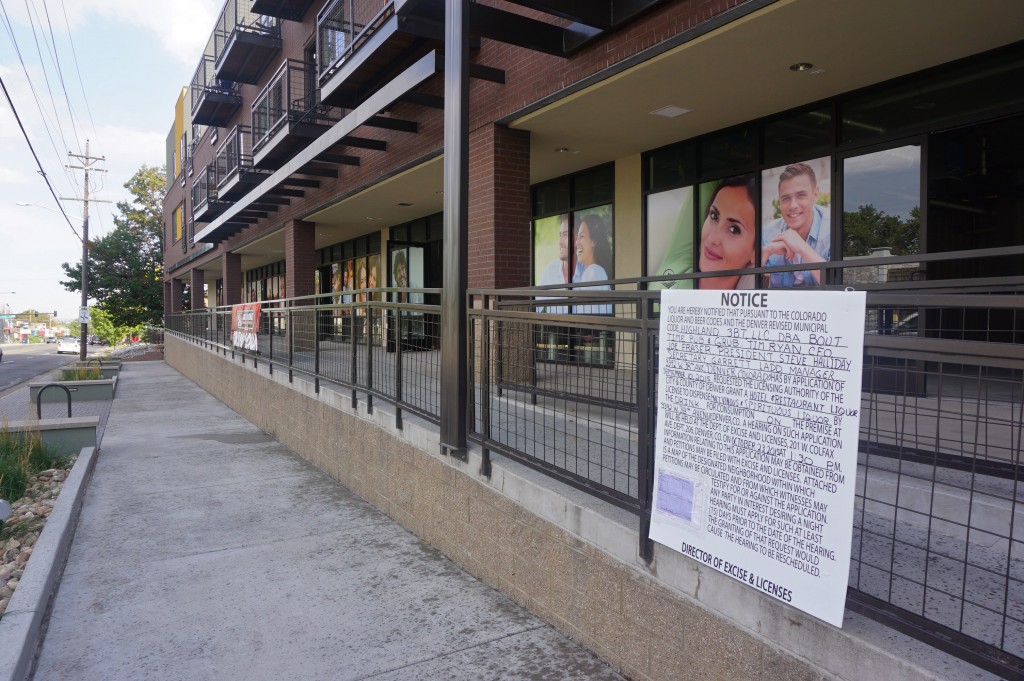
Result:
207,550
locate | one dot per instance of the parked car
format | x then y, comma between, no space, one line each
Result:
69,344
51,339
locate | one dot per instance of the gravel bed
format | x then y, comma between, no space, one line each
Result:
21,531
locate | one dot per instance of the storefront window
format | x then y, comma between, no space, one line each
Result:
882,202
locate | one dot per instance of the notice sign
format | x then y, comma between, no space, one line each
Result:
756,451
245,323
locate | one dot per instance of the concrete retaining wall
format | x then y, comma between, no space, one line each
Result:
63,435
81,391
566,556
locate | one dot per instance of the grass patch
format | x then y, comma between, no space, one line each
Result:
22,456
80,374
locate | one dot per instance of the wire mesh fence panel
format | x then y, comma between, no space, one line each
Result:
566,385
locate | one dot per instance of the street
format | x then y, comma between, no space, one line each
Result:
24,362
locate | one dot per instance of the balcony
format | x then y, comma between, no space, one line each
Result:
355,46
214,101
288,114
292,10
205,203
245,42
234,169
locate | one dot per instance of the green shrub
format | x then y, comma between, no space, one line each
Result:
22,455
80,374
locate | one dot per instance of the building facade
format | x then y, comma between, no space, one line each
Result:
327,162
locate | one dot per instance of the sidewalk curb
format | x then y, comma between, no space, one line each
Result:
21,625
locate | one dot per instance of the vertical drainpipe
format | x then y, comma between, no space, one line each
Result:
454,372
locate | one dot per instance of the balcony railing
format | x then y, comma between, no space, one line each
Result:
342,26
205,204
233,163
244,42
290,101
214,100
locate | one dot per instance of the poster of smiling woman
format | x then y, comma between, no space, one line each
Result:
796,225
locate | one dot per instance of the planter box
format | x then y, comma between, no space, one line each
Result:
107,369
63,435
81,391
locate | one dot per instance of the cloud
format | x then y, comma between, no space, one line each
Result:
12,176
888,161
181,27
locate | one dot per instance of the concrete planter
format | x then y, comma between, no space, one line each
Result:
21,626
107,369
64,435
81,391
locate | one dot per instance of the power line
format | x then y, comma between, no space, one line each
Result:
36,157
74,56
35,95
60,72
46,77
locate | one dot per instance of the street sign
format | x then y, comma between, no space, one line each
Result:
6,316
83,315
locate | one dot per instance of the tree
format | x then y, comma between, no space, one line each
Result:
868,228
126,266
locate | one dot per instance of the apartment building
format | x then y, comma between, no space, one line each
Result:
456,218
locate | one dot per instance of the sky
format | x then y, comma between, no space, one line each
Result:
122,64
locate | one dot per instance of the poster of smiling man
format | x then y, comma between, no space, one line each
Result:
796,225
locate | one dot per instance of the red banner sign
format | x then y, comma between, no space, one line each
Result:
245,323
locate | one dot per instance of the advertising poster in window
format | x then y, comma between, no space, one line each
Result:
727,232
416,273
594,245
336,286
400,272
796,225
755,465
670,236
552,242
407,272
360,283
347,282
373,274
594,250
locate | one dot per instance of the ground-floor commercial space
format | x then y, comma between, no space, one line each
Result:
908,188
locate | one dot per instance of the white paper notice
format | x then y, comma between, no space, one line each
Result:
756,452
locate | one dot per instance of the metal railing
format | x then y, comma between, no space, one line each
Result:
204,81
204,189
234,154
342,27
365,340
237,17
291,97
565,381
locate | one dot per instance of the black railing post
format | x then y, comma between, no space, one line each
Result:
355,349
646,428
369,355
316,355
485,387
290,332
270,349
398,366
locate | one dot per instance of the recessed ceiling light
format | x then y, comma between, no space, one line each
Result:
670,111
562,150
403,204
801,66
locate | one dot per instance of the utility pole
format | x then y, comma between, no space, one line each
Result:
83,312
